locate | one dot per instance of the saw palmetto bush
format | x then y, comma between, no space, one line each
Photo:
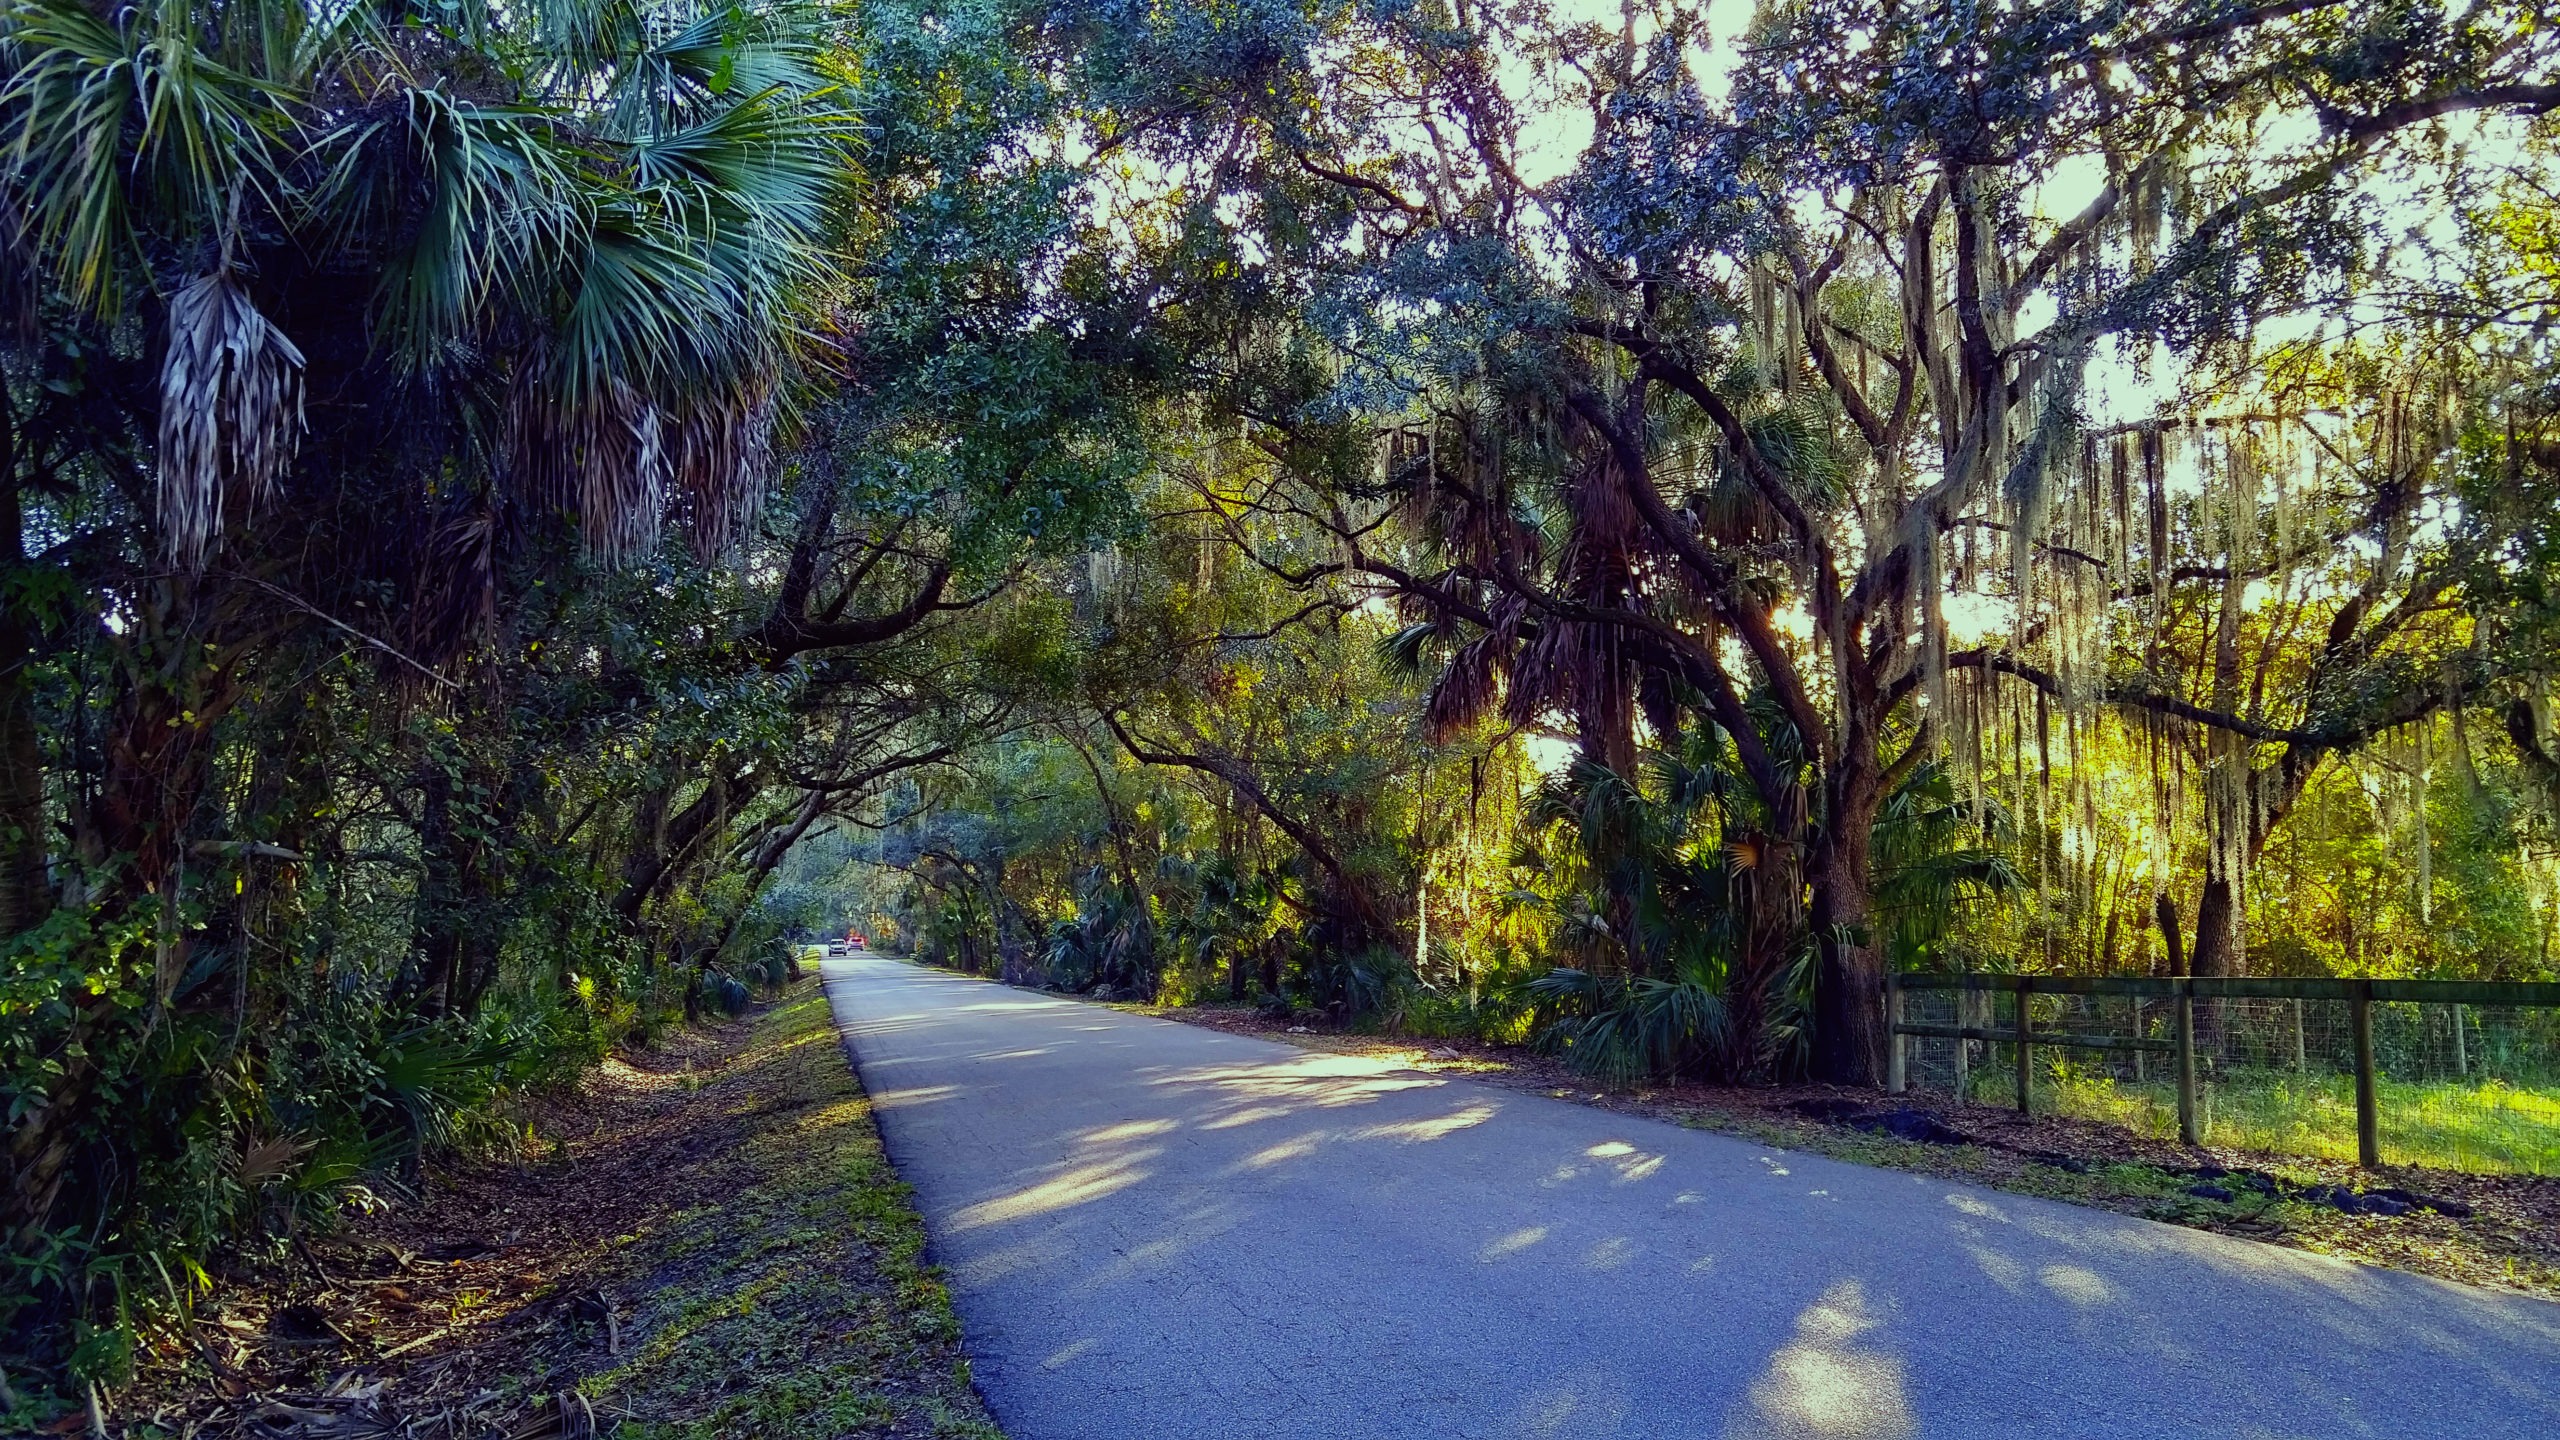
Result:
1229,930
1682,917
1680,914
1109,943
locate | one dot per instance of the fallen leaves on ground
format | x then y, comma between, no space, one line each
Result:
700,1241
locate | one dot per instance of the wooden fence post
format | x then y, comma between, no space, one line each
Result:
2461,1047
1896,1064
2026,1051
2187,1062
2368,1110
1964,1048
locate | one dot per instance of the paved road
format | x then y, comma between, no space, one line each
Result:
1154,1230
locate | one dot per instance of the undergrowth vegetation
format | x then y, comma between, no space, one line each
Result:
443,570
700,1240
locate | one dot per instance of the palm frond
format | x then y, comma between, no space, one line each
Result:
1619,1030
1402,650
505,210
108,128
230,413
720,462
1467,688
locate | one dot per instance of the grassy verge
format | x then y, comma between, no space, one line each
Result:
707,1245
794,1301
2507,1240
2483,1125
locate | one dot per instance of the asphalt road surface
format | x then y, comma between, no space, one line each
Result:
1154,1230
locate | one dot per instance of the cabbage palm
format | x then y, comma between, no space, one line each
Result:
1712,970
1696,976
1109,941
603,222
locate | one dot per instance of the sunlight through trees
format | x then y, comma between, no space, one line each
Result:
1613,530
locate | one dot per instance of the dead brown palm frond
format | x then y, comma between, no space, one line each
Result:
1542,674
622,479
1466,690
1579,667
1604,515
269,1158
720,460
230,413
602,464
540,471
457,582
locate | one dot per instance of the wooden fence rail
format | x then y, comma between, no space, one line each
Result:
2360,996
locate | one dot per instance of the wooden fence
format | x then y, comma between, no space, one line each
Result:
2360,996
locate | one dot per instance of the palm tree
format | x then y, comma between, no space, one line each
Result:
608,218
1935,852
1684,911
1711,971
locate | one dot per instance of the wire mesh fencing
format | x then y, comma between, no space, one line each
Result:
2454,1075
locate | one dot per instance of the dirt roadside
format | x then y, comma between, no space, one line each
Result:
700,1242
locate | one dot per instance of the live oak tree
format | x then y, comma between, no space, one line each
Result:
1792,354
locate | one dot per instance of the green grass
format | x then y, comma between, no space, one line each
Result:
2480,1125
2498,1248
794,1304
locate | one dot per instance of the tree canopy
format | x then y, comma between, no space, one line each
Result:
1611,529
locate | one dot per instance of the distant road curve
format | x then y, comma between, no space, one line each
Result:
1156,1231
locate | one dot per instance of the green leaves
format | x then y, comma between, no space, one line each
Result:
129,138
1620,1029
563,193
503,206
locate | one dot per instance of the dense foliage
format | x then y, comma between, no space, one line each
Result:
1592,531
479,485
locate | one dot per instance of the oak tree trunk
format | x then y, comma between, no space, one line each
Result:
1849,1033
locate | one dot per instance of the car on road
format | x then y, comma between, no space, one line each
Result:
835,947
856,942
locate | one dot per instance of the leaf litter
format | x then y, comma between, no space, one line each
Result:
698,1241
